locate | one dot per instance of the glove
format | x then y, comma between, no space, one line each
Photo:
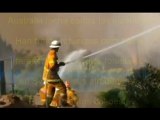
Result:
61,64
44,83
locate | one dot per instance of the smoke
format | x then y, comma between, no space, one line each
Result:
100,72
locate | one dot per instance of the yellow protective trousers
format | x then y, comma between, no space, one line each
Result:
55,91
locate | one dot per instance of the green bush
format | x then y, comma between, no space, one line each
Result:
141,90
114,98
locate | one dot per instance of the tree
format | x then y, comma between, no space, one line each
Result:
5,49
143,87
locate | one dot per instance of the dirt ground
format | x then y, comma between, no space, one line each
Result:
12,101
86,100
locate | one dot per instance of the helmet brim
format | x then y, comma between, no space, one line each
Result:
54,46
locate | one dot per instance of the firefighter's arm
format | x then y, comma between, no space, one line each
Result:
61,64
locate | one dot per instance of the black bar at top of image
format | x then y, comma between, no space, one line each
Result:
77,6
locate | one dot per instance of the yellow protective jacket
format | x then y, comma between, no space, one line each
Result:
50,72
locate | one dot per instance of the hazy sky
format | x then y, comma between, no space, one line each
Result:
83,30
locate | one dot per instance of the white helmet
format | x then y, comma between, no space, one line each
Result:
55,44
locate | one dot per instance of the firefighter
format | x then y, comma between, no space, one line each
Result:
52,80
72,97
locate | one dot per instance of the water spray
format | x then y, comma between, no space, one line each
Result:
117,44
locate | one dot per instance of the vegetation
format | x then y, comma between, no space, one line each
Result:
112,99
141,90
27,69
